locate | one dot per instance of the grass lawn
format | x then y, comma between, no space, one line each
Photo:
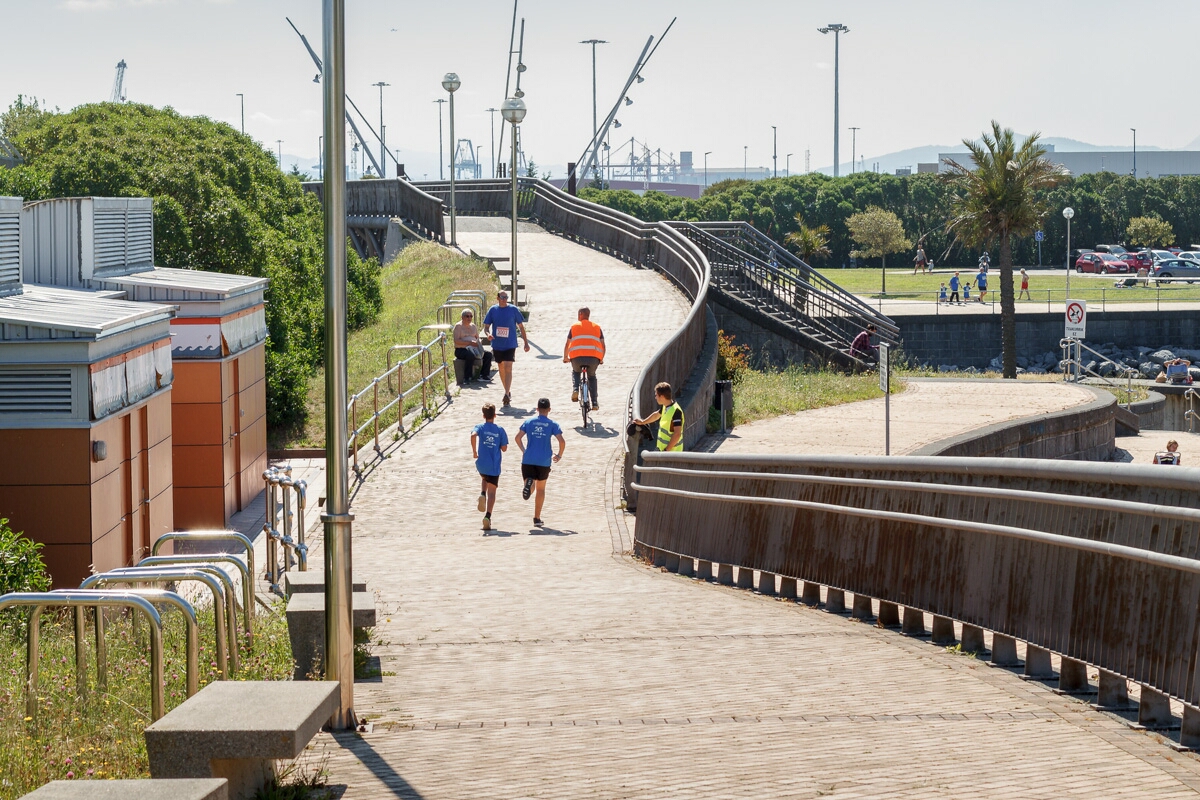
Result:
901,283
414,286
764,394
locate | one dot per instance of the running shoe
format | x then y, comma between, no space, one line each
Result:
487,523
575,396
483,501
537,522
527,489
507,399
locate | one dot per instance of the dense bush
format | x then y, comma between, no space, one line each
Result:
21,566
1104,204
221,203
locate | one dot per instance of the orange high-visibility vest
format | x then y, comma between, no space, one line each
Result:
586,340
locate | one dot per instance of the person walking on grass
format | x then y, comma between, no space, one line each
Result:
981,283
920,262
669,418
536,457
488,442
505,322
955,282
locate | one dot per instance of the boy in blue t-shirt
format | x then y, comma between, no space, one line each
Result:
536,461
488,441
505,322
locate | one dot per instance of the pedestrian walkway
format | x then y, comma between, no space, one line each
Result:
545,663
925,412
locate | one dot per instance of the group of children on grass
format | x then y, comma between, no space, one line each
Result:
949,295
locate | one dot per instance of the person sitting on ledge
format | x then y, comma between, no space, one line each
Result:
1176,371
1168,456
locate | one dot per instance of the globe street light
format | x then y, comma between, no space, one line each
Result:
450,83
836,29
1068,213
513,110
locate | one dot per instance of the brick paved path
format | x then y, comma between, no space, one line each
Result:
541,664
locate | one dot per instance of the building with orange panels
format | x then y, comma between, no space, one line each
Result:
85,418
218,345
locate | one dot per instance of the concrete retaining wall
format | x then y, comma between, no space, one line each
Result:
1082,433
1150,412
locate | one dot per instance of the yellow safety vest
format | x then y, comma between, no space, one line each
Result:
666,421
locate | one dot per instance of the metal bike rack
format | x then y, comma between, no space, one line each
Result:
80,599
210,562
224,615
278,481
445,311
248,573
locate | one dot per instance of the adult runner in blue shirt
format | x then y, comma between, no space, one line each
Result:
505,322
537,458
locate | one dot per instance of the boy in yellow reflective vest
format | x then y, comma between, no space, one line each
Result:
669,418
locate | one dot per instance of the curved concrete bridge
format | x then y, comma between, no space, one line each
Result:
547,663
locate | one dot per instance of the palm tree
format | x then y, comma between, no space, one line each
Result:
1002,196
809,242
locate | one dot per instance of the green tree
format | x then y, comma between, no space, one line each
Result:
809,242
1150,231
1003,195
877,232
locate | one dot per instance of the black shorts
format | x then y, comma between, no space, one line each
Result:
504,355
494,480
538,473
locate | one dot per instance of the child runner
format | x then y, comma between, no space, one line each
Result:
1024,286
954,284
536,458
942,295
967,292
488,441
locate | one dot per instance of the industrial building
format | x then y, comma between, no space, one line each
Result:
1150,163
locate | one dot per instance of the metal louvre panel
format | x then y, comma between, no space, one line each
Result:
35,392
10,248
140,241
122,238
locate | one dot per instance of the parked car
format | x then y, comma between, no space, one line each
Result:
1175,250
1177,269
1100,263
1136,261
1190,255
1115,249
1159,255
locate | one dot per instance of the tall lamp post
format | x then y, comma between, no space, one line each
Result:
745,161
1068,213
853,147
337,519
450,83
706,155
513,110
492,112
242,97
787,165
595,123
279,145
383,152
1134,151
836,29
441,152
774,152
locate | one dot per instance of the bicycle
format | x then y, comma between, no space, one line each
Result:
585,396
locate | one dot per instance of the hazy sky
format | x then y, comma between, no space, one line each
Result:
913,72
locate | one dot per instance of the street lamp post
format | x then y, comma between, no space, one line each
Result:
321,155
441,152
450,83
279,145
853,147
595,123
706,155
836,29
745,161
242,97
1134,152
787,165
1068,213
513,110
383,153
492,112
337,519
774,152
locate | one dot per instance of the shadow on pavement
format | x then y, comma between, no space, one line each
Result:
596,432
499,534
544,531
361,749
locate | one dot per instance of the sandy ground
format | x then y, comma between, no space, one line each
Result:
1140,449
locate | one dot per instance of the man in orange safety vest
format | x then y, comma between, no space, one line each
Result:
584,348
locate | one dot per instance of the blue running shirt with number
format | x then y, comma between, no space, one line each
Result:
539,431
506,321
491,438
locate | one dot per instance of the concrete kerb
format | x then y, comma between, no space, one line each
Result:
144,789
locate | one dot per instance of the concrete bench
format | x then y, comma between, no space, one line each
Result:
237,730
311,581
306,626
182,789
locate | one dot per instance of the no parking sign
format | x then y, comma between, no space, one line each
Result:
1076,319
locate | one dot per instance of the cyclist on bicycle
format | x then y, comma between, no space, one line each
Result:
584,348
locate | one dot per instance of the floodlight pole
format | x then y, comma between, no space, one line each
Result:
774,152
836,29
242,97
441,152
337,519
383,153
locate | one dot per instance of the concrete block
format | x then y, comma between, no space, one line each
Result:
306,627
1114,691
671,562
810,594
704,572
237,729
835,601
1037,662
1004,651
972,639
686,566
165,789
943,631
889,615
862,607
725,574
766,583
658,558
311,582
787,588
1154,709
745,579
1072,677
1189,732
914,622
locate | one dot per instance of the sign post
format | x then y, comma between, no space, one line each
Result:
1038,237
885,385
1076,327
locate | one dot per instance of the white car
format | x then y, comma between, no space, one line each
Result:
1161,255
1190,255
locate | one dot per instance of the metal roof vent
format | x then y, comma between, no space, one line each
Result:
72,241
10,245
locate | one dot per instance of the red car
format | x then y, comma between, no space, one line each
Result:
1136,261
1100,263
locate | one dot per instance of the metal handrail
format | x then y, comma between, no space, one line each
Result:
211,561
444,316
1075,360
1191,415
277,482
223,610
86,598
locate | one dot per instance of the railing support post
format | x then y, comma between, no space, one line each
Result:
889,615
835,601
914,622
766,583
943,631
787,588
972,639
704,572
1189,731
686,566
811,594
745,578
1072,677
1004,651
1154,709
1114,691
725,574
862,607
1037,662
